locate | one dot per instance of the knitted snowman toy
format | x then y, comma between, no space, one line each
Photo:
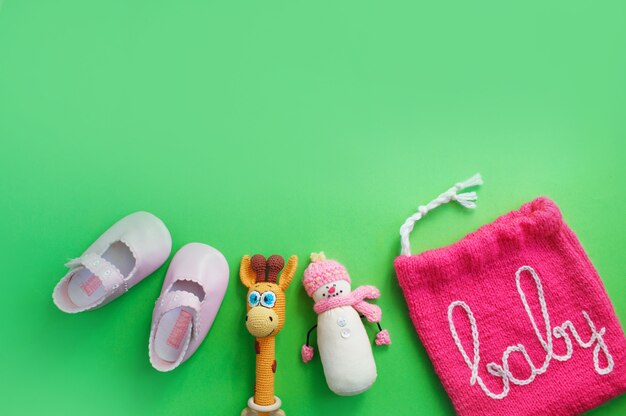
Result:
344,345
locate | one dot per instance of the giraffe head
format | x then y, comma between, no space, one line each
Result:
265,300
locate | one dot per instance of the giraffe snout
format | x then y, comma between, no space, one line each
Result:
261,322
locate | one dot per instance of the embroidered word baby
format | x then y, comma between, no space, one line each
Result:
545,338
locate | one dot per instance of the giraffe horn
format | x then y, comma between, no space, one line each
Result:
258,264
275,264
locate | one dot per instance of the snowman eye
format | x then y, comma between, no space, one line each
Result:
268,299
253,298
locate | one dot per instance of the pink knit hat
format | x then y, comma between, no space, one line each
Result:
322,271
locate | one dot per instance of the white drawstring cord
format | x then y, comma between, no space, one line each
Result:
466,199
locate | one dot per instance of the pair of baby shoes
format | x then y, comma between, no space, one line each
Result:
129,251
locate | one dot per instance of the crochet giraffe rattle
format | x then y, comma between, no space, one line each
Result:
265,317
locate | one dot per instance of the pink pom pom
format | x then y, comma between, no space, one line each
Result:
382,338
307,353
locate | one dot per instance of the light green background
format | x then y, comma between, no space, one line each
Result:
284,127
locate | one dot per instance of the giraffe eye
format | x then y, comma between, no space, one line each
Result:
253,298
268,299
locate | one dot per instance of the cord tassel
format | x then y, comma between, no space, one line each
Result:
467,199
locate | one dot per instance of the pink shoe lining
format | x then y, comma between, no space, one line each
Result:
90,285
180,329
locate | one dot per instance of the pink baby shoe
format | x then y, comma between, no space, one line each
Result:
130,250
192,293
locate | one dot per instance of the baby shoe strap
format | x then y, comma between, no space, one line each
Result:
109,275
178,298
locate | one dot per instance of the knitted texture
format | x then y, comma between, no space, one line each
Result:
382,338
265,369
322,271
307,353
515,318
356,299
266,305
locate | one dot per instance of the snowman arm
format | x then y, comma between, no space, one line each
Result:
382,338
308,334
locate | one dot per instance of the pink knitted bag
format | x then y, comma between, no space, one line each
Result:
514,316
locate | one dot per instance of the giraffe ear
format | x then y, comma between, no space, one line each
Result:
246,274
288,272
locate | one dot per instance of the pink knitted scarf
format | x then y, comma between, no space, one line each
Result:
356,299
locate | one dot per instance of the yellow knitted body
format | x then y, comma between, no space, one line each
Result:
265,317
265,368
